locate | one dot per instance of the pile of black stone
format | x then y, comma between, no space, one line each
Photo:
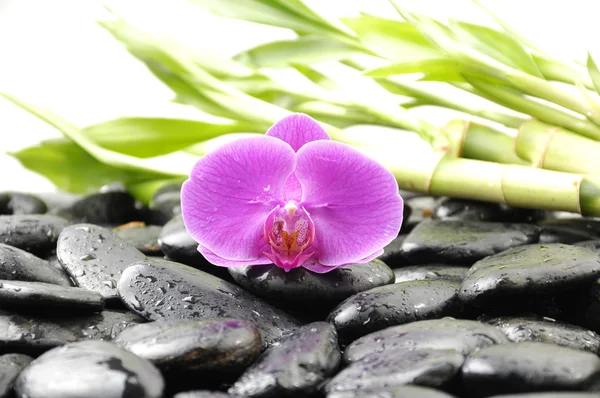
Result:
101,296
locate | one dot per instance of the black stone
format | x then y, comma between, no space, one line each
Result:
432,368
36,333
19,265
529,270
177,244
396,304
35,233
164,290
463,242
294,367
166,204
105,208
463,209
550,395
392,392
593,245
463,336
392,253
21,203
303,287
11,366
91,369
142,237
421,208
570,230
202,394
546,330
95,257
430,272
529,367
208,345
18,294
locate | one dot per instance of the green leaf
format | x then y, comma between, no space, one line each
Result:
301,8
394,40
558,71
433,65
594,72
316,77
303,50
148,137
497,45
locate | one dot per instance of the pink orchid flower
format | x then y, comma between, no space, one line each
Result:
293,198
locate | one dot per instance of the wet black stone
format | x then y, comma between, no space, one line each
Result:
586,307
529,270
421,208
95,257
463,336
58,199
570,230
35,233
550,395
593,245
21,203
19,265
302,287
159,289
396,304
11,366
294,367
142,237
177,244
430,272
37,333
545,330
202,394
207,345
105,208
166,204
463,209
95,369
529,367
392,253
19,294
432,368
463,242
392,392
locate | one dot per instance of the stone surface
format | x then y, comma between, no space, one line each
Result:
94,369
463,209
463,336
166,204
550,395
95,257
36,333
302,286
297,365
163,290
432,368
545,330
141,236
18,294
396,304
207,345
177,244
392,253
19,265
430,272
569,230
529,367
11,366
529,270
21,203
393,392
463,242
593,245
35,233
202,394
104,208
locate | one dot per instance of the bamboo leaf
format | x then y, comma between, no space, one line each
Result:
558,71
593,112
497,45
316,77
432,65
303,50
301,8
594,72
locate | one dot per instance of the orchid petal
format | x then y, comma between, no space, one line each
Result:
223,262
322,269
292,189
352,199
230,192
297,130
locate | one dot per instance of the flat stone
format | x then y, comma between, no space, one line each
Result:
546,330
297,365
430,272
569,230
391,392
550,395
19,265
593,245
393,254
21,203
431,368
18,294
529,367
463,336
166,203
104,208
37,333
164,290
207,345
177,244
95,257
396,304
463,209
463,242
11,366
90,369
529,270
202,394
301,286
141,236
34,233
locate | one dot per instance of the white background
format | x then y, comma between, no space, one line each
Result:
52,53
